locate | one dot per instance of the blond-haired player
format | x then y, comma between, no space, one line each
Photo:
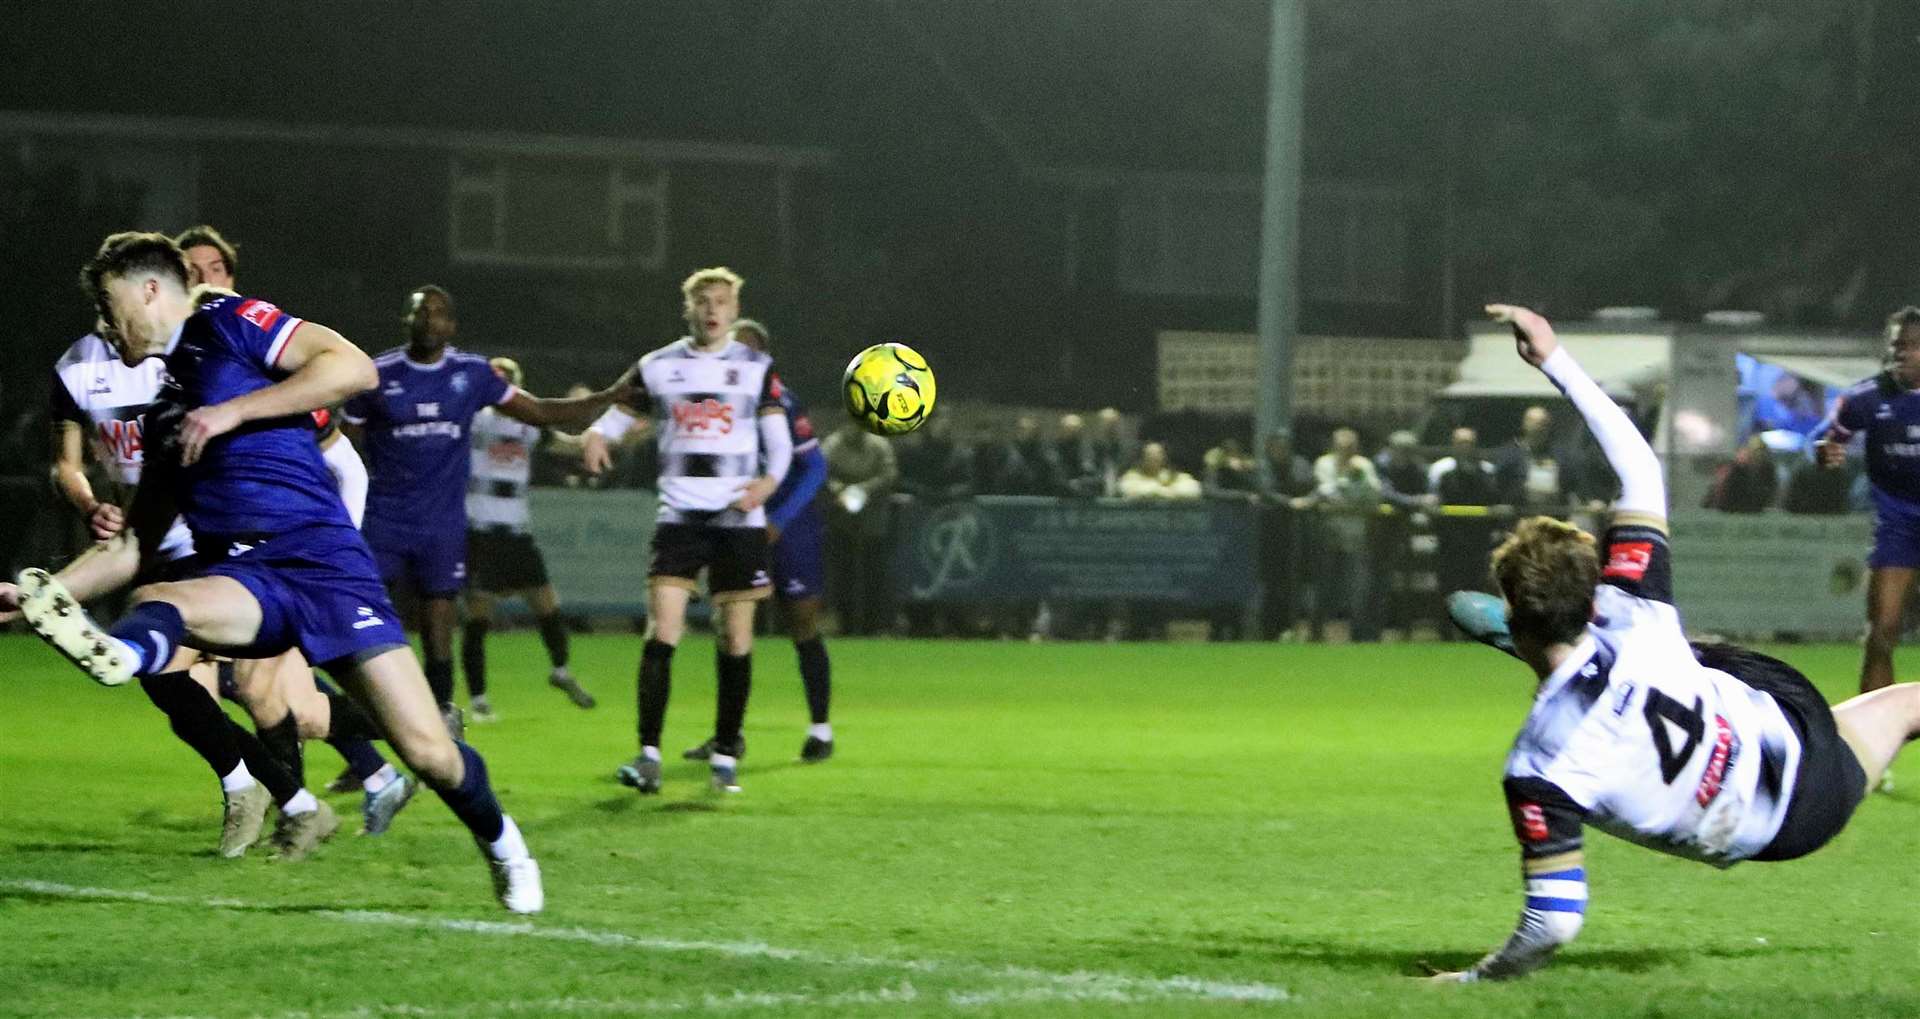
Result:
724,447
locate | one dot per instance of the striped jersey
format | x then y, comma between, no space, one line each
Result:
502,468
706,409
1631,734
109,398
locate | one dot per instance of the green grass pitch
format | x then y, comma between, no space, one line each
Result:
1055,830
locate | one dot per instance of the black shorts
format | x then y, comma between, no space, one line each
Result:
735,559
171,571
1831,782
500,561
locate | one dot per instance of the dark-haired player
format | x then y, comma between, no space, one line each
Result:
1710,752
282,565
414,427
1885,409
504,559
724,447
797,536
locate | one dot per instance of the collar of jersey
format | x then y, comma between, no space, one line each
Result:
446,355
174,340
1576,660
697,352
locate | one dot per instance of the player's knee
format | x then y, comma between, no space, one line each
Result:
430,752
1883,634
737,643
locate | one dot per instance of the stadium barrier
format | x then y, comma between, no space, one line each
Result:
1741,575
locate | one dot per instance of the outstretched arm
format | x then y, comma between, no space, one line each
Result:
574,412
1548,825
1643,485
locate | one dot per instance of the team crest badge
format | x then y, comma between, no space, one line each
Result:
733,376
459,383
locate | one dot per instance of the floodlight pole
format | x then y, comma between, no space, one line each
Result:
1279,313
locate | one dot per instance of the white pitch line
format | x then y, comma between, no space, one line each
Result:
1076,985
739,1001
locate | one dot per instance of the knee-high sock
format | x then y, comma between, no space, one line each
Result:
440,679
473,656
222,742
656,684
351,733
816,675
472,801
553,633
282,740
154,629
209,733
736,682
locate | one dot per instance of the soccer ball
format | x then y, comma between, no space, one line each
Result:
889,389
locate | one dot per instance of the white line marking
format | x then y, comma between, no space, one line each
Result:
1079,985
738,1001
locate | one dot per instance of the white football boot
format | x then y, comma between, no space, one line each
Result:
60,621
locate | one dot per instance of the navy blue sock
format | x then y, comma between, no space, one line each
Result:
362,759
816,675
472,801
154,628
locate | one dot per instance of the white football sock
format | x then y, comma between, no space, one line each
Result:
822,731
380,779
238,780
723,761
650,753
509,846
301,803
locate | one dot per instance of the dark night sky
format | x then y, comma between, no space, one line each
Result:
1107,82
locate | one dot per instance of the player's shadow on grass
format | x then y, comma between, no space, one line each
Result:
1349,957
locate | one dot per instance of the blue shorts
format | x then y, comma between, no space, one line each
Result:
318,591
799,557
433,560
1896,533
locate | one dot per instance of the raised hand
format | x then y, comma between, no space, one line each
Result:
1533,336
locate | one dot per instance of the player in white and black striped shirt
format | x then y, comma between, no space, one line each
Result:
724,447
1708,752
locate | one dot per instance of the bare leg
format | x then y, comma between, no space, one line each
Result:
1877,724
1887,590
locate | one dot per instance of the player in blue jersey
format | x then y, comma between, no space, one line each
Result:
414,429
797,536
233,452
1886,410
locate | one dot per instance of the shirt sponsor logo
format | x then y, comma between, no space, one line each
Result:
260,313
703,415
1717,763
123,439
427,429
427,410
1533,822
1628,560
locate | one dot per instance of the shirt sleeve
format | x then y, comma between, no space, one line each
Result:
1547,823
64,408
259,331
361,406
489,388
771,392
1637,560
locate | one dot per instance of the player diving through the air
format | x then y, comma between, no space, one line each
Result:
1708,752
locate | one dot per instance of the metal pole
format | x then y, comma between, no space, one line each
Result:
1280,220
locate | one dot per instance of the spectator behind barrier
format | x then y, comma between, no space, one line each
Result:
1464,477
1155,478
1074,464
1403,475
861,471
1746,484
1531,472
1347,490
1112,450
1230,473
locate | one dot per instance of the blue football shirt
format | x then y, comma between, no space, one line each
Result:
265,477
416,425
